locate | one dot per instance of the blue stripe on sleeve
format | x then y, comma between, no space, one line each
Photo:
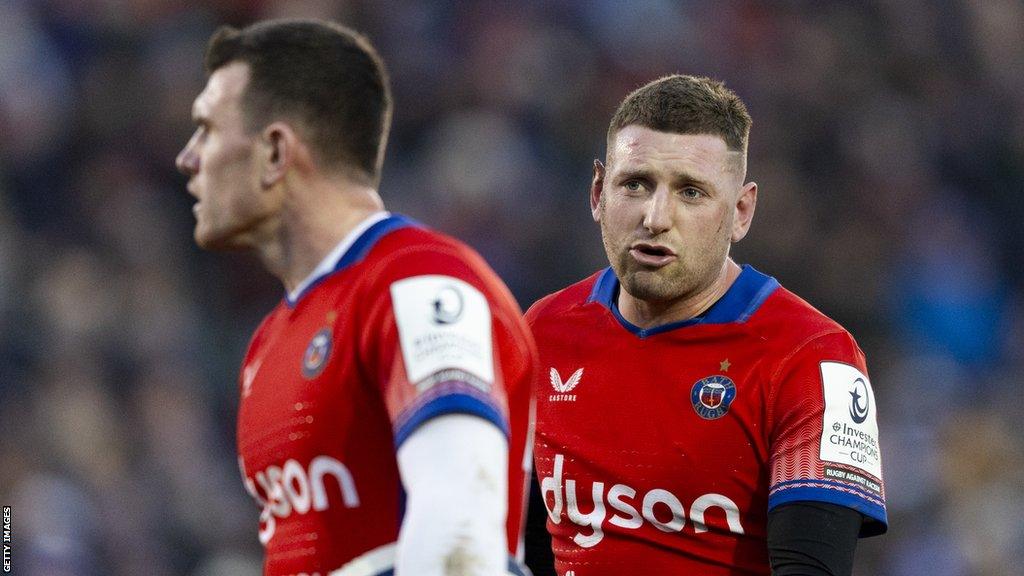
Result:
878,520
864,494
450,404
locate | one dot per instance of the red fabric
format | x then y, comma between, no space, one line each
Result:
293,423
629,431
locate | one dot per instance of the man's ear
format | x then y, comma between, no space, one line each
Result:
279,146
745,205
596,189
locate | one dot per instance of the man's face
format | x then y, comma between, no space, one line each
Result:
669,206
220,161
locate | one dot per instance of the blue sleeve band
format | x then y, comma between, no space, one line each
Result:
450,404
877,523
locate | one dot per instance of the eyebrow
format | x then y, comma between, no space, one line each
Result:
678,179
628,173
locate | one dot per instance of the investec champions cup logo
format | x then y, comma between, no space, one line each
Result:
447,306
849,428
859,411
712,396
562,389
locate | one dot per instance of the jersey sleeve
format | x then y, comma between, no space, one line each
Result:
436,339
823,431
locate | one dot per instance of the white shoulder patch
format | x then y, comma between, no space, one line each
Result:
443,323
849,432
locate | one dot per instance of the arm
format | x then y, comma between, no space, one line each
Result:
452,363
455,472
825,488
812,539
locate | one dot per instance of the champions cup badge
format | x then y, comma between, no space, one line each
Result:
315,358
859,412
712,396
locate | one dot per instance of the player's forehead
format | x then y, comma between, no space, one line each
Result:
641,148
223,91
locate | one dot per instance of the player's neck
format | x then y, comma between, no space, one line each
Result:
647,314
312,223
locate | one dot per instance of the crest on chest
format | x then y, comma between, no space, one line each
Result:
317,352
712,396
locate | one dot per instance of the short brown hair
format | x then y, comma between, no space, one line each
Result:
686,105
325,77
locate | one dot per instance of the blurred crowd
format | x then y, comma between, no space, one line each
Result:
888,144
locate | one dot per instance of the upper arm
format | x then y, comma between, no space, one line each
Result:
823,432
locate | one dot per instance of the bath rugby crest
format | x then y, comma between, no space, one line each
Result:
400,325
687,434
712,396
315,357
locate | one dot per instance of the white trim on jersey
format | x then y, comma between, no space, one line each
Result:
331,260
455,472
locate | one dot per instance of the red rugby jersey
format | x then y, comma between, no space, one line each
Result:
409,324
661,450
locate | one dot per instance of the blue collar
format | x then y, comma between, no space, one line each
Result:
739,302
358,250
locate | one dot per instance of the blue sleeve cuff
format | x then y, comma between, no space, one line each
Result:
876,520
450,404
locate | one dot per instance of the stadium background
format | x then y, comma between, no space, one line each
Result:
888,143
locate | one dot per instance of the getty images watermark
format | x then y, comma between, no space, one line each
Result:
7,539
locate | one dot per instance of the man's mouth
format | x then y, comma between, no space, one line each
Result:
653,255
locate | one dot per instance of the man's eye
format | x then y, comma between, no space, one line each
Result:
633,186
692,193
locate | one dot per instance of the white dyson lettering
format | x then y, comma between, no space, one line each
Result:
661,508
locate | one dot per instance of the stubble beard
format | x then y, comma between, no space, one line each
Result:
664,285
676,281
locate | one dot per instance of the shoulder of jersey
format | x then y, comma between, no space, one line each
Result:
787,315
417,244
562,301
418,250
418,238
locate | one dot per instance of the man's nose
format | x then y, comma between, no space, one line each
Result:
658,214
187,161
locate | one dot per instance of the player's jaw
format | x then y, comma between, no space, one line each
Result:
227,219
647,269
663,271
232,210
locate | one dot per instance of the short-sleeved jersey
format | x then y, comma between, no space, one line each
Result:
403,324
661,450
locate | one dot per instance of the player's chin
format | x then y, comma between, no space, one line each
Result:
214,240
647,284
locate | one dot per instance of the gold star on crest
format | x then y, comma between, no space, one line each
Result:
331,317
724,365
